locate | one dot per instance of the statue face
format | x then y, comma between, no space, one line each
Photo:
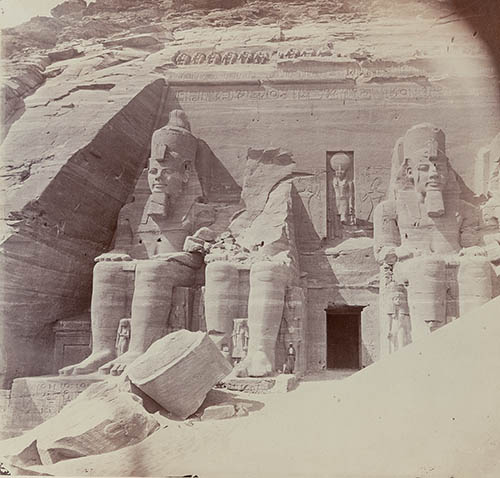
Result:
429,169
397,299
340,171
167,175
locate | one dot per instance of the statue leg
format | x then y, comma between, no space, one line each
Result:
474,283
151,303
221,300
265,311
426,294
111,286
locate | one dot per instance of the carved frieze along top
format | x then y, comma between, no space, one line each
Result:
247,56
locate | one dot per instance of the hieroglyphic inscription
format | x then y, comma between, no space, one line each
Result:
372,189
211,95
34,400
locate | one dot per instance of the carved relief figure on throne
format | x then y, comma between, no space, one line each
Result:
425,236
143,286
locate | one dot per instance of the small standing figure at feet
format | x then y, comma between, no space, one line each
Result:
289,365
240,339
225,351
399,319
122,337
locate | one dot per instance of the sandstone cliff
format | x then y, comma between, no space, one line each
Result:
84,89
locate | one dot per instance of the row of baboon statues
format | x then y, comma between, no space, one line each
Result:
256,57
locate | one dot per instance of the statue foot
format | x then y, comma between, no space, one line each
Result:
119,364
255,365
89,365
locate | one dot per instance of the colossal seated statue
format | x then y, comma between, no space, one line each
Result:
260,245
144,284
425,236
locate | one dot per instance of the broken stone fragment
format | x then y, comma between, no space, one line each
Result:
178,371
219,412
60,55
193,244
205,234
104,418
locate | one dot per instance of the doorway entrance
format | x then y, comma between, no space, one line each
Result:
343,337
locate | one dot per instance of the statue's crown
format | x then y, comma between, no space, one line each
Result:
177,118
175,136
340,159
424,135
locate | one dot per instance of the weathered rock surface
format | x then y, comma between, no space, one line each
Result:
60,55
18,81
147,42
178,370
54,189
68,8
104,418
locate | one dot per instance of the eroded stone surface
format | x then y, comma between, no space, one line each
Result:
104,418
33,400
52,229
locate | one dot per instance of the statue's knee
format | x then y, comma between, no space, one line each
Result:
423,272
267,271
112,274
109,267
475,276
221,271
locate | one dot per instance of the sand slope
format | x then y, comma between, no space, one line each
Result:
430,410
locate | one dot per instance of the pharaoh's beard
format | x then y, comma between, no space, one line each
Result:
434,203
159,205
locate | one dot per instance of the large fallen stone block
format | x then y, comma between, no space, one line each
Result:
178,371
104,418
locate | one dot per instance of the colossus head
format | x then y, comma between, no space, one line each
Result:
426,166
173,152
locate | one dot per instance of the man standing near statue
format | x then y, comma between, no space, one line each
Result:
289,365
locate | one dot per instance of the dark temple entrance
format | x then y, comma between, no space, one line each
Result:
343,337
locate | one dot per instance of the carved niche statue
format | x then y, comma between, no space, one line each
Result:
343,186
424,235
143,287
